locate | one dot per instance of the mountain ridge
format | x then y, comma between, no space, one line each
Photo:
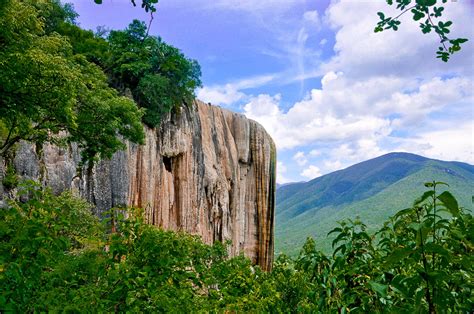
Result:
307,209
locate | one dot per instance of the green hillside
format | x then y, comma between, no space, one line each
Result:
373,190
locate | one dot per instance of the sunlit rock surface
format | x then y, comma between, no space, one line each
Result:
207,171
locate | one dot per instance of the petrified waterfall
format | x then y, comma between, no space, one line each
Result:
207,171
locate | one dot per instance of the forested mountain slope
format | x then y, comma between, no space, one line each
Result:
373,190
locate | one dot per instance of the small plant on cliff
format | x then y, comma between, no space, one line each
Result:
10,179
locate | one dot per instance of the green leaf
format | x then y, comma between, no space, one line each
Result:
397,255
98,1
438,11
337,229
403,212
436,248
381,15
417,15
425,195
450,202
426,2
379,288
340,237
422,235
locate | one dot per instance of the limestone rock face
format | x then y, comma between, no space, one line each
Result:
207,171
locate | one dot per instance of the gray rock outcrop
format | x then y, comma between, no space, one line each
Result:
207,171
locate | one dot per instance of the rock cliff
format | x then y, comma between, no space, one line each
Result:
206,171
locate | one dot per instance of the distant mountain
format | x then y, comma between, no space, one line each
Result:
279,185
373,190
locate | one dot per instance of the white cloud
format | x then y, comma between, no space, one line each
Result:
281,171
220,95
349,153
313,18
315,153
311,172
281,167
228,94
312,120
455,142
252,5
332,165
300,158
346,110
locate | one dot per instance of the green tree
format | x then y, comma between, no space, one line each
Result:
55,256
159,76
425,11
37,238
50,94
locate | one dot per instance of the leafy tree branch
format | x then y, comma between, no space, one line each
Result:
424,9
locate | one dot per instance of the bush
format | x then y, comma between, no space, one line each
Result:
10,179
56,256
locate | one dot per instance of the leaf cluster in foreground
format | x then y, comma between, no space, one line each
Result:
55,256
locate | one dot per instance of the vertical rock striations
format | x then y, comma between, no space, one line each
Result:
206,171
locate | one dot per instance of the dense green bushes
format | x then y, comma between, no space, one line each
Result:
54,256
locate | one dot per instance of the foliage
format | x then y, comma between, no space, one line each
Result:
10,178
428,11
56,256
37,237
45,88
420,261
372,190
53,87
159,76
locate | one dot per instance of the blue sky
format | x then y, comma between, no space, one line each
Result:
329,91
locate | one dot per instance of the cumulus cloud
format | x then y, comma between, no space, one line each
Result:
455,142
281,173
378,92
231,93
311,172
333,165
314,120
313,18
220,95
344,110
300,158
